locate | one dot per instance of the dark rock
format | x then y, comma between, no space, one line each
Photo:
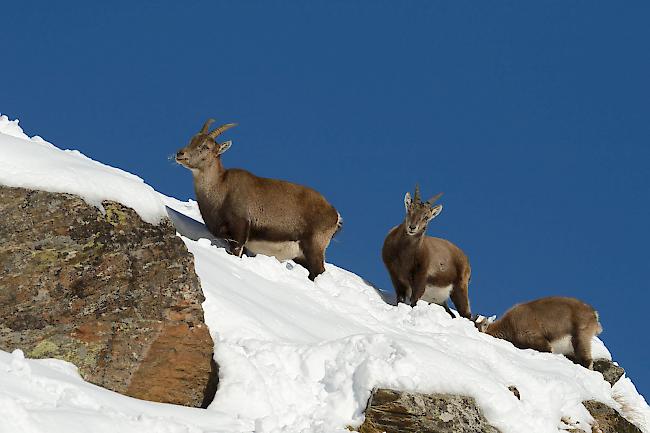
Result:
513,389
610,371
392,412
114,295
608,420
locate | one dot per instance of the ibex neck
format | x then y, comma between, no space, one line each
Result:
206,180
497,330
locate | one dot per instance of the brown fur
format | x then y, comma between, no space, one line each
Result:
242,208
537,324
415,261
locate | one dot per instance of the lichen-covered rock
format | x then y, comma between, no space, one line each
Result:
608,420
114,295
397,412
610,371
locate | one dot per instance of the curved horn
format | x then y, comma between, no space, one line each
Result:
206,126
214,134
416,196
432,200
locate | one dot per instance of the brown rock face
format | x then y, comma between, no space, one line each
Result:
114,295
607,420
395,412
610,371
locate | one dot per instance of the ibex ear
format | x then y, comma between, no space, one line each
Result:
223,147
407,201
435,211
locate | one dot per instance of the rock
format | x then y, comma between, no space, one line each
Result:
393,411
513,389
608,420
610,371
114,295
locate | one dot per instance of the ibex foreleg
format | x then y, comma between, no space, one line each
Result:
401,289
239,234
419,285
314,252
448,310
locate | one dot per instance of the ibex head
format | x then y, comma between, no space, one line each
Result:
418,213
482,323
203,148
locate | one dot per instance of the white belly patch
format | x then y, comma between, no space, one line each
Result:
288,250
562,345
436,295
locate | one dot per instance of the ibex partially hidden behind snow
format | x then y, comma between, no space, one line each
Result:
423,267
554,324
267,216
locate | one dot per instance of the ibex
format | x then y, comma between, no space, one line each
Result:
423,267
554,324
267,216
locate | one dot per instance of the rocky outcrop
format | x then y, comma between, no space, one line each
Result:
397,412
607,420
114,295
611,372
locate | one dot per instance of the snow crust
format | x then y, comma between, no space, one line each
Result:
294,355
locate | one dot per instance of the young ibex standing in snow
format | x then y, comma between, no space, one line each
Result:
267,216
554,324
424,267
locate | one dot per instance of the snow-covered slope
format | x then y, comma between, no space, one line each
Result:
34,163
294,355
47,395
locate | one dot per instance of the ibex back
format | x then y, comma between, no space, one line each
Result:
423,267
267,216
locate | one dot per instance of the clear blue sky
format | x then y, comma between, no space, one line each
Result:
534,119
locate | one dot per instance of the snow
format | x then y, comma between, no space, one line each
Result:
297,355
632,403
294,355
47,395
34,163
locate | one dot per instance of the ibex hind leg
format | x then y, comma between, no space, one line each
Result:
239,234
461,301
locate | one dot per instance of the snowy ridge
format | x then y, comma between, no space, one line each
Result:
34,163
294,355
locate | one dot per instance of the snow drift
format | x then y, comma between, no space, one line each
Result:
294,355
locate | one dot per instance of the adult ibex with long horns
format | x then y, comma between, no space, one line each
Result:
267,216
424,267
